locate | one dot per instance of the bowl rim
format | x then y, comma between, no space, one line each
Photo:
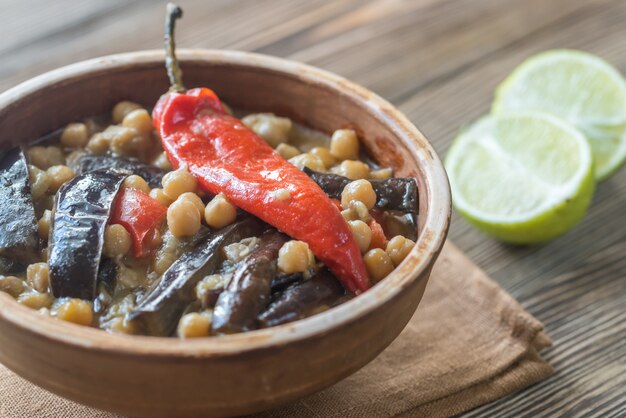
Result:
429,242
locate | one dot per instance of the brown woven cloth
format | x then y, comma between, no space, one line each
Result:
468,344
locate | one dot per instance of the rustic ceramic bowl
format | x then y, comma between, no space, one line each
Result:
230,375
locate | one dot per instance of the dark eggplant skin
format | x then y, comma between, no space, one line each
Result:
159,311
107,274
303,300
81,211
391,194
19,238
283,281
9,266
151,174
279,283
248,292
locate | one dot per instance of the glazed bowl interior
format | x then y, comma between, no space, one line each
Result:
249,82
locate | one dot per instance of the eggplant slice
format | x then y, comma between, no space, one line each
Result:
107,274
159,311
151,174
19,240
82,209
399,223
391,194
9,266
283,281
305,299
248,292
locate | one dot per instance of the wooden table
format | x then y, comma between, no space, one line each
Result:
439,62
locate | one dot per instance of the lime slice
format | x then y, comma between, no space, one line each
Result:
576,86
522,177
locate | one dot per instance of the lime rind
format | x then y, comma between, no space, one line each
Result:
609,149
550,209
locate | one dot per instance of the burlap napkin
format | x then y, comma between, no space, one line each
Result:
468,344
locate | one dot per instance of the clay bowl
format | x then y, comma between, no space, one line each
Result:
231,375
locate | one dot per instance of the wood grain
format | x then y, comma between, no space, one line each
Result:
439,61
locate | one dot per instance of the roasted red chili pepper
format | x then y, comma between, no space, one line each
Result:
141,215
225,156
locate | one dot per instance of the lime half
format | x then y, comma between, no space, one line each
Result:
522,177
578,87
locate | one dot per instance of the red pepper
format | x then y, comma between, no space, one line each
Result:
225,156
379,240
141,215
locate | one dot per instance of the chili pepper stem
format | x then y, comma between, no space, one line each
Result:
171,62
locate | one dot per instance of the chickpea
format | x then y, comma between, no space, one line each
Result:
308,160
360,210
35,300
12,285
398,248
37,277
43,224
178,182
349,215
58,174
324,154
294,257
159,195
195,199
45,157
287,151
183,218
121,139
141,145
383,173
206,288
47,202
98,144
76,311
122,109
354,170
73,158
194,325
344,145
117,241
273,129
360,190
93,126
219,212
136,182
362,234
39,182
162,162
378,264
139,120
75,135
121,325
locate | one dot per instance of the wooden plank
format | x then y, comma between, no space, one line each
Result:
440,61
575,284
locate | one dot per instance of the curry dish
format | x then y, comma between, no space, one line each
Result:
191,220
